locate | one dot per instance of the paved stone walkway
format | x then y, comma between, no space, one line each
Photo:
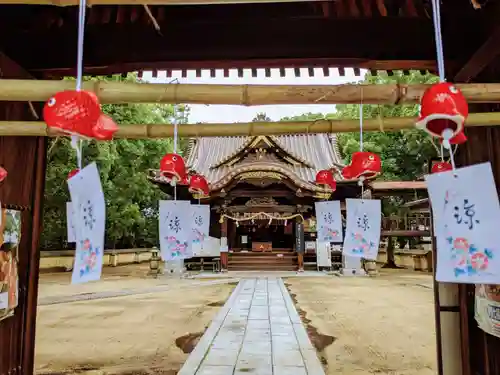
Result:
258,331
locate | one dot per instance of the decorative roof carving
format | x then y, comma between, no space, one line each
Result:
264,201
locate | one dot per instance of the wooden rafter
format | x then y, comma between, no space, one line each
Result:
276,47
483,57
37,128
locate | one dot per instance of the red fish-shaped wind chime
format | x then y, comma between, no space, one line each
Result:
78,112
441,166
443,111
443,107
3,174
74,172
173,168
325,179
364,165
198,186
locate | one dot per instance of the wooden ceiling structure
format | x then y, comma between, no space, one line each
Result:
369,34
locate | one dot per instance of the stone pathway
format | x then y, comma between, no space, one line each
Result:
258,331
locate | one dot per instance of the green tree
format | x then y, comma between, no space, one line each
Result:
131,199
404,153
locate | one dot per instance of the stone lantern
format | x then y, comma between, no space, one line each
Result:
154,262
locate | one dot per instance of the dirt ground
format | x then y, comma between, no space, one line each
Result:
365,325
137,334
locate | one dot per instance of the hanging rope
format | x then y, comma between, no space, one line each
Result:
448,133
436,15
362,178
253,217
175,145
76,142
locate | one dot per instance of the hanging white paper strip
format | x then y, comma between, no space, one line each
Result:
362,235
70,226
200,221
466,212
176,222
329,221
89,221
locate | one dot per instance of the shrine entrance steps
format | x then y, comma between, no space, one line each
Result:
258,331
276,260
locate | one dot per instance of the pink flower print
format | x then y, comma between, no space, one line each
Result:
461,243
479,261
92,260
86,244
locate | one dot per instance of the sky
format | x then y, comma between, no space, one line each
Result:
235,113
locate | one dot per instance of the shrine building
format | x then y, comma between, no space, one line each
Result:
265,185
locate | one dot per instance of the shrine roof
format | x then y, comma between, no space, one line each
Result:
213,157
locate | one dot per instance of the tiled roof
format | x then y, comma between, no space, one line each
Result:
317,150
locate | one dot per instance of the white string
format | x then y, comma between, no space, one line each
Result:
362,178
448,133
436,15
175,146
81,31
361,127
175,129
76,142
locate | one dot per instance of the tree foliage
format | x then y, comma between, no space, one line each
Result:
131,200
404,153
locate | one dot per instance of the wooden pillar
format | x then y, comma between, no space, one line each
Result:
479,350
447,317
299,245
24,159
224,256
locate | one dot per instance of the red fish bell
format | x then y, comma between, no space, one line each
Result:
185,180
72,112
325,178
73,173
172,167
443,106
3,173
198,185
365,164
441,166
347,172
105,128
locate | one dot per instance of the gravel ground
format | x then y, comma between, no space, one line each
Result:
136,334
364,325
